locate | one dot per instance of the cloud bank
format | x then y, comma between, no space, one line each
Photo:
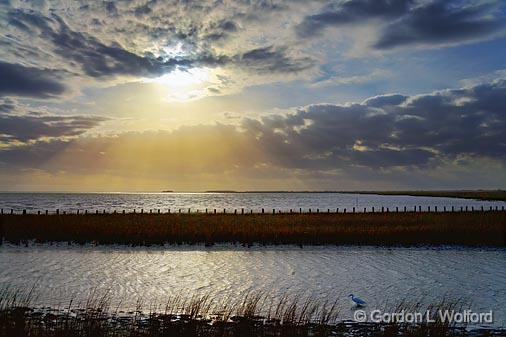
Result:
383,137
407,22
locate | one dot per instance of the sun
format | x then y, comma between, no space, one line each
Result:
185,84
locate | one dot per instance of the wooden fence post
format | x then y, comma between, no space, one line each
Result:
57,211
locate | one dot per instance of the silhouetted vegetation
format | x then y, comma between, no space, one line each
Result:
411,228
250,316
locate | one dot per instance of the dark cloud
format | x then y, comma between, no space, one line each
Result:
18,80
220,29
392,130
143,10
98,59
272,60
382,134
385,100
32,127
352,11
411,21
440,22
111,8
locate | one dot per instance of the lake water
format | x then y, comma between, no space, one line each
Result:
381,276
249,201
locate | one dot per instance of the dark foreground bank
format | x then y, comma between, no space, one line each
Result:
199,317
384,229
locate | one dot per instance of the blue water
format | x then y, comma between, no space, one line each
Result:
71,202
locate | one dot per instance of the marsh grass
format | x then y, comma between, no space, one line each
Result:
410,228
252,316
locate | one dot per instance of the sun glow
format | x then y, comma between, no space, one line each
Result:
185,84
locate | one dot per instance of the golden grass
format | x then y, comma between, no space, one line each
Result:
411,228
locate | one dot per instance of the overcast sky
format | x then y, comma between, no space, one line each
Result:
252,95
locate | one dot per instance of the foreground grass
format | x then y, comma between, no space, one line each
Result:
498,195
250,316
459,228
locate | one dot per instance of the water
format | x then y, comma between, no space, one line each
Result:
381,276
230,201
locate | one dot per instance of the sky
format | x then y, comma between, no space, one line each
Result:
188,95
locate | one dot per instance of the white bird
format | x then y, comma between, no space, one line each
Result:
359,302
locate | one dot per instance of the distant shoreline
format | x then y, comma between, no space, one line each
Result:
490,195
485,195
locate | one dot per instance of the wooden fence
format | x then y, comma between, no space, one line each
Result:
244,211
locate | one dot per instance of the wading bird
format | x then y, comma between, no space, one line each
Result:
359,302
